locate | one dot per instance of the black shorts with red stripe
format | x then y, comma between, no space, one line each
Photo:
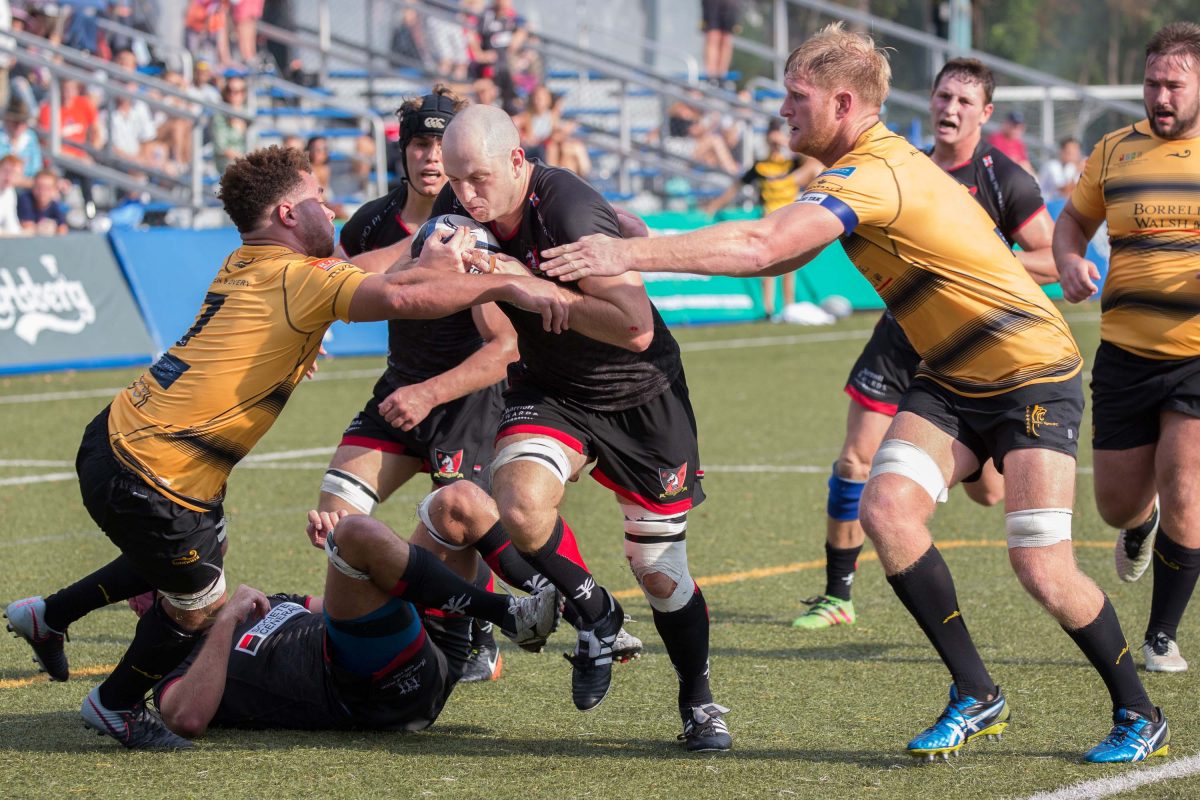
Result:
453,443
647,455
884,370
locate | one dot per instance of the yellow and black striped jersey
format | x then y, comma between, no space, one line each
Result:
773,178
980,323
1148,191
202,406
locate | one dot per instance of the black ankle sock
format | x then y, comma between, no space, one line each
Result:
685,636
927,591
429,583
159,646
497,550
1175,570
555,562
112,583
1143,530
840,566
1102,641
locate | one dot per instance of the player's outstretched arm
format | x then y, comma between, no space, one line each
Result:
189,704
778,243
1072,232
383,259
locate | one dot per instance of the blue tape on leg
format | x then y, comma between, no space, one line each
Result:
843,498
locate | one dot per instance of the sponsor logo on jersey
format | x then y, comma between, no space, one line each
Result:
1035,419
672,480
29,306
250,641
1126,158
449,463
327,264
815,198
838,172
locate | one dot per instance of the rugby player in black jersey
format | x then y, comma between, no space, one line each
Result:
611,390
382,649
959,106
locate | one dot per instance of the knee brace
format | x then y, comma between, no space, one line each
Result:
1038,527
844,495
351,488
194,601
423,514
655,543
539,449
339,563
906,459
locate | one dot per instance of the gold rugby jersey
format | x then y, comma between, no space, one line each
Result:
1148,191
773,178
979,322
202,406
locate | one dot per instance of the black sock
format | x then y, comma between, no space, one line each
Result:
1102,641
429,583
927,591
840,566
685,635
159,646
1175,570
562,566
112,583
497,550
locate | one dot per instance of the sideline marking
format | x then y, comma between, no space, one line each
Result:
626,594
1128,781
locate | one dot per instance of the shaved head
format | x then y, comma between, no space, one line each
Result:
485,163
482,130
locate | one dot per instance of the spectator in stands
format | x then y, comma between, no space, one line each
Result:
1059,175
206,31
1010,140
777,180
78,123
685,120
39,209
408,38
294,141
720,20
448,47
229,132
546,135
204,83
317,150
10,170
131,128
503,34
485,92
246,14
17,139
175,132
6,43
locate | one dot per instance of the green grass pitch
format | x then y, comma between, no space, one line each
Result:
814,715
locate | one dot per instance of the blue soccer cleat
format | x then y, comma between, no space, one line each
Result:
964,719
1133,738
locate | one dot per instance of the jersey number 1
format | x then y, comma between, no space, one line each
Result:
212,304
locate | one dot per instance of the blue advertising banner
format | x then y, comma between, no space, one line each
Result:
170,270
65,305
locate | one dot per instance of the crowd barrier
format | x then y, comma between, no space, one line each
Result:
86,300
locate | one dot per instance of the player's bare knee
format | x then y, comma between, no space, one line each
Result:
984,493
357,535
853,466
656,548
658,584
185,722
465,509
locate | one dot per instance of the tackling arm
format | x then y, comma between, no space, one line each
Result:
1037,255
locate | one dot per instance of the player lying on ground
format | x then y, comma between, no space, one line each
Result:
383,648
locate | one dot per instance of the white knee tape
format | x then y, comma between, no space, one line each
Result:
539,449
1038,527
426,520
201,599
340,563
351,488
906,459
656,543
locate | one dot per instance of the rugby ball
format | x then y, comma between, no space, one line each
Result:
446,225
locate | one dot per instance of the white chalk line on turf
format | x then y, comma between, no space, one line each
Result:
1125,782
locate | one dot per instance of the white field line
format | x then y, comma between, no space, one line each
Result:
33,462
1125,782
49,477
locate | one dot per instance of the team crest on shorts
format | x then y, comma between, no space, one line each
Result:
1035,419
672,480
449,463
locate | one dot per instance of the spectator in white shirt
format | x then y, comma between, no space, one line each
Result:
1059,175
11,168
